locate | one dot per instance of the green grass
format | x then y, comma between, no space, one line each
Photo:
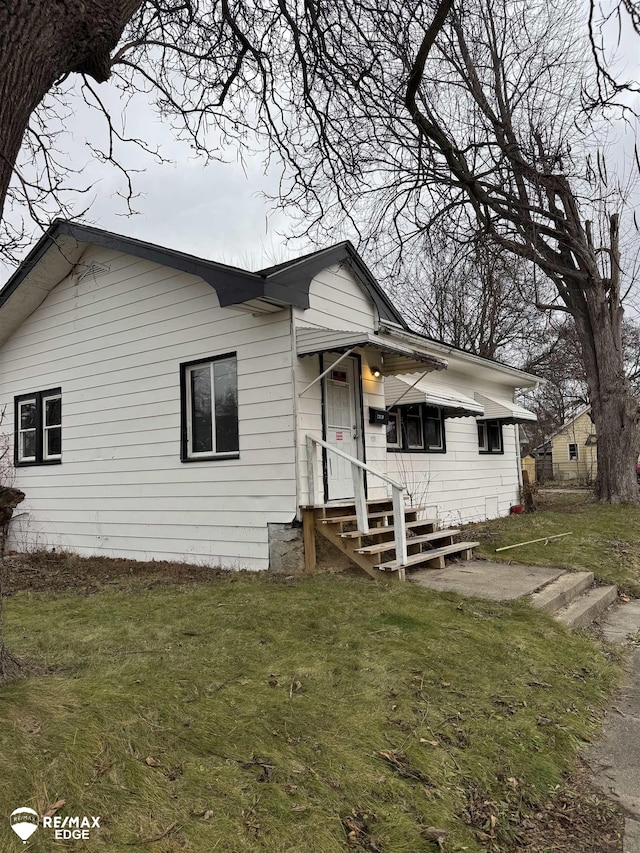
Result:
274,711
604,539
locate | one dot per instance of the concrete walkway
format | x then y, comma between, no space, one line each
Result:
484,579
615,759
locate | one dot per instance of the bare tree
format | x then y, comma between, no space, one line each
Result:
487,123
388,115
469,294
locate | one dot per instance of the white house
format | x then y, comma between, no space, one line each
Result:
163,406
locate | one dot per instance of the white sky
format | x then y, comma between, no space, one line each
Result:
214,211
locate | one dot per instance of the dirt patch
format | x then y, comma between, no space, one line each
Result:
46,571
579,819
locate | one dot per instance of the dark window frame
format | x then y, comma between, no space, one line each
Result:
487,449
185,414
40,459
575,444
405,412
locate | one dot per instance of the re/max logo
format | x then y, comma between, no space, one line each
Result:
70,822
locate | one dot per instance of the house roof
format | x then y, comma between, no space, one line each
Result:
300,271
480,364
568,423
545,447
63,244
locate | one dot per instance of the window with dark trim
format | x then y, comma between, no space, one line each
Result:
416,429
490,438
38,428
209,409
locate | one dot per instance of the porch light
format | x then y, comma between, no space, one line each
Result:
376,372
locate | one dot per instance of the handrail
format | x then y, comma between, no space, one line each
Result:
355,461
357,472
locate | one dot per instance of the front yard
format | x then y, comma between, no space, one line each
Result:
323,714
604,539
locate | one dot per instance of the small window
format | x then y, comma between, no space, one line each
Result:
210,409
416,429
434,428
38,428
573,451
490,437
394,438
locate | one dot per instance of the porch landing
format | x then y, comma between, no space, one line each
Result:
484,579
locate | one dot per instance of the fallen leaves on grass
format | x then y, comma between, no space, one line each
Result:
267,767
54,808
155,838
357,825
575,819
432,833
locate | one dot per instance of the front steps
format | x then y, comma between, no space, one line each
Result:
573,600
374,551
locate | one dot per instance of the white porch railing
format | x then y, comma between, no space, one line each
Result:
357,472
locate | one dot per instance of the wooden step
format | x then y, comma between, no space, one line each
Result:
350,507
380,547
340,519
353,534
437,554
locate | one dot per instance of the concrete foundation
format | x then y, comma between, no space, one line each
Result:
286,548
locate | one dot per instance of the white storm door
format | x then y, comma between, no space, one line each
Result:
342,426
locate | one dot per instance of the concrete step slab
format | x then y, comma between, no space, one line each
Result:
562,591
583,610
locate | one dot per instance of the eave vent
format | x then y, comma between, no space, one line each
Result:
94,272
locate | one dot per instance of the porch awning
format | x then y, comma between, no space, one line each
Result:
405,391
397,357
503,409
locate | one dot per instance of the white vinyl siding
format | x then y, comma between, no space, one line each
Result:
338,301
115,345
463,484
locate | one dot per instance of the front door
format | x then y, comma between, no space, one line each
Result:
343,420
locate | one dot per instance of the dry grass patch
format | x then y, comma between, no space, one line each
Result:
317,715
604,539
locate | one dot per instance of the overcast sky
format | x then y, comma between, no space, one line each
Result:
215,211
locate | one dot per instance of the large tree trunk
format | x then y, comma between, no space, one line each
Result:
615,410
41,41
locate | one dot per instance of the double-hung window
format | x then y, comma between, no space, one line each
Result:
38,428
490,437
209,409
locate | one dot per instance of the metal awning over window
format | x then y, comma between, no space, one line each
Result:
396,357
403,391
503,409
